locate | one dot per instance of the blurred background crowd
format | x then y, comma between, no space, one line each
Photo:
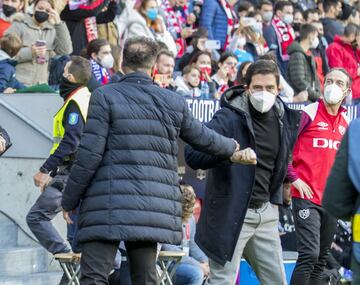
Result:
207,45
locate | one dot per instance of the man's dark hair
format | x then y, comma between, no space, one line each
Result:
327,4
95,46
263,67
162,46
309,11
225,55
265,2
140,53
244,6
343,70
306,30
279,6
351,29
80,68
166,53
11,44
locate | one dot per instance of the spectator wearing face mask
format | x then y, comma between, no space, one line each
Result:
43,35
255,43
226,74
145,21
188,83
101,59
344,52
302,69
332,26
238,46
202,60
9,8
281,34
298,21
266,11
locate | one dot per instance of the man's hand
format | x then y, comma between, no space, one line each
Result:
205,268
42,180
67,217
2,144
303,188
245,156
9,90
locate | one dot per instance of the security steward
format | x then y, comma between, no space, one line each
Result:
68,126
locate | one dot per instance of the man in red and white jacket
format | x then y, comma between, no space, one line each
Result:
321,129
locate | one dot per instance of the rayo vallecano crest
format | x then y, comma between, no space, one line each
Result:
200,174
304,213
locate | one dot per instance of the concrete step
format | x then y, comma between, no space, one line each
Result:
9,234
18,261
48,278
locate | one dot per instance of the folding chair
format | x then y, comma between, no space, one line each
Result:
70,264
167,259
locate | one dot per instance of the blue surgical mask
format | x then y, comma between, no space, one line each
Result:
152,14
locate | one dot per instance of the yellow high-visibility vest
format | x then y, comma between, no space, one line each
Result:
81,97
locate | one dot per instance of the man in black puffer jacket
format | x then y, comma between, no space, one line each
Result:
125,174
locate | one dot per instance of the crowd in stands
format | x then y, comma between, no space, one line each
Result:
206,44
206,47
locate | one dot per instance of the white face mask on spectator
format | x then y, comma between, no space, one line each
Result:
267,16
288,19
107,61
333,94
262,101
315,43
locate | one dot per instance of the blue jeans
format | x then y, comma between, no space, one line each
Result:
189,274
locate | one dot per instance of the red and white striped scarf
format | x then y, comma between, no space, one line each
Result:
176,21
230,21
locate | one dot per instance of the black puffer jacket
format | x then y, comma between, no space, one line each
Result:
126,167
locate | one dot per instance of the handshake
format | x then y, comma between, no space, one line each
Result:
244,156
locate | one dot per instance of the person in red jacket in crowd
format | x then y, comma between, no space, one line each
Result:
345,52
322,126
9,7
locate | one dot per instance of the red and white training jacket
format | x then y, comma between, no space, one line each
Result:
314,153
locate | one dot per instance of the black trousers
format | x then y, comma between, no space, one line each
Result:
315,230
98,257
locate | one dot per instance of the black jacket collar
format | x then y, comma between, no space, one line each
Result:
139,77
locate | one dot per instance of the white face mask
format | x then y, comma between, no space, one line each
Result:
262,101
333,94
267,16
315,43
288,19
107,61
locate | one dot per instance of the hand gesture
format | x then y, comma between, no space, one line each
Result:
303,188
245,156
191,19
54,17
67,218
42,180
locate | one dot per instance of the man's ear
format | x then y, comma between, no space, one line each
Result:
71,78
